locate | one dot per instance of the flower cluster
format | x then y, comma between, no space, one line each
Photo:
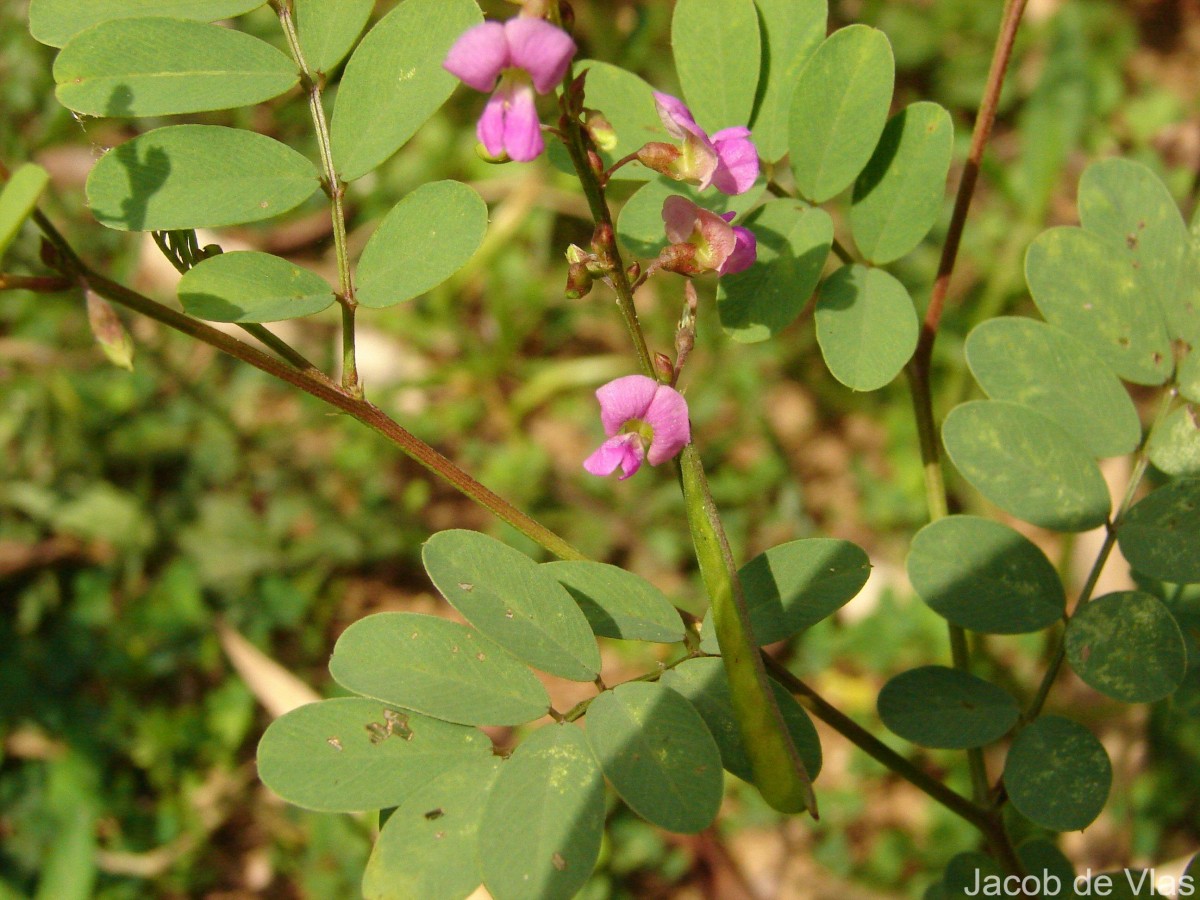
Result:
644,419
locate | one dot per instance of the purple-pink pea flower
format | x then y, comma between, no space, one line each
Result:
728,160
525,54
643,419
720,247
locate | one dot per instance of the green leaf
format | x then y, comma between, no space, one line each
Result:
55,22
839,109
1057,774
793,244
1086,285
795,585
866,326
1182,309
898,197
1126,884
328,29
1043,858
394,81
640,223
19,199
716,48
966,872
197,176
1174,446
249,286
1048,370
1125,202
353,754
627,102
1160,535
658,753
792,31
703,682
983,575
543,819
160,67
1128,646
427,237
427,848
617,603
512,601
1189,376
935,706
438,668
1026,465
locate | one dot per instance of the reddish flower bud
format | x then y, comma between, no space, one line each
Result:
579,281
660,157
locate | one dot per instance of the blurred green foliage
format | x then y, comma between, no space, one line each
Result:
138,509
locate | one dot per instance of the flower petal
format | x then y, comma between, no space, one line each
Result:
737,161
478,56
623,450
677,118
522,130
717,239
623,399
710,234
679,217
490,127
541,49
744,253
668,416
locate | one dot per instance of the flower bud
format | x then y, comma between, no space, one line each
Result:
680,258
634,271
600,130
110,334
663,368
49,256
661,157
482,152
567,16
576,254
579,281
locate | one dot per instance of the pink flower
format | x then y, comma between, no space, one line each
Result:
643,419
525,54
719,246
727,160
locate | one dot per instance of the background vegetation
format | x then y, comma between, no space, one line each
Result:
146,517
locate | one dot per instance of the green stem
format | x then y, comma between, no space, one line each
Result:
317,385
42,284
875,748
594,192
779,773
1110,540
336,190
919,369
285,350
